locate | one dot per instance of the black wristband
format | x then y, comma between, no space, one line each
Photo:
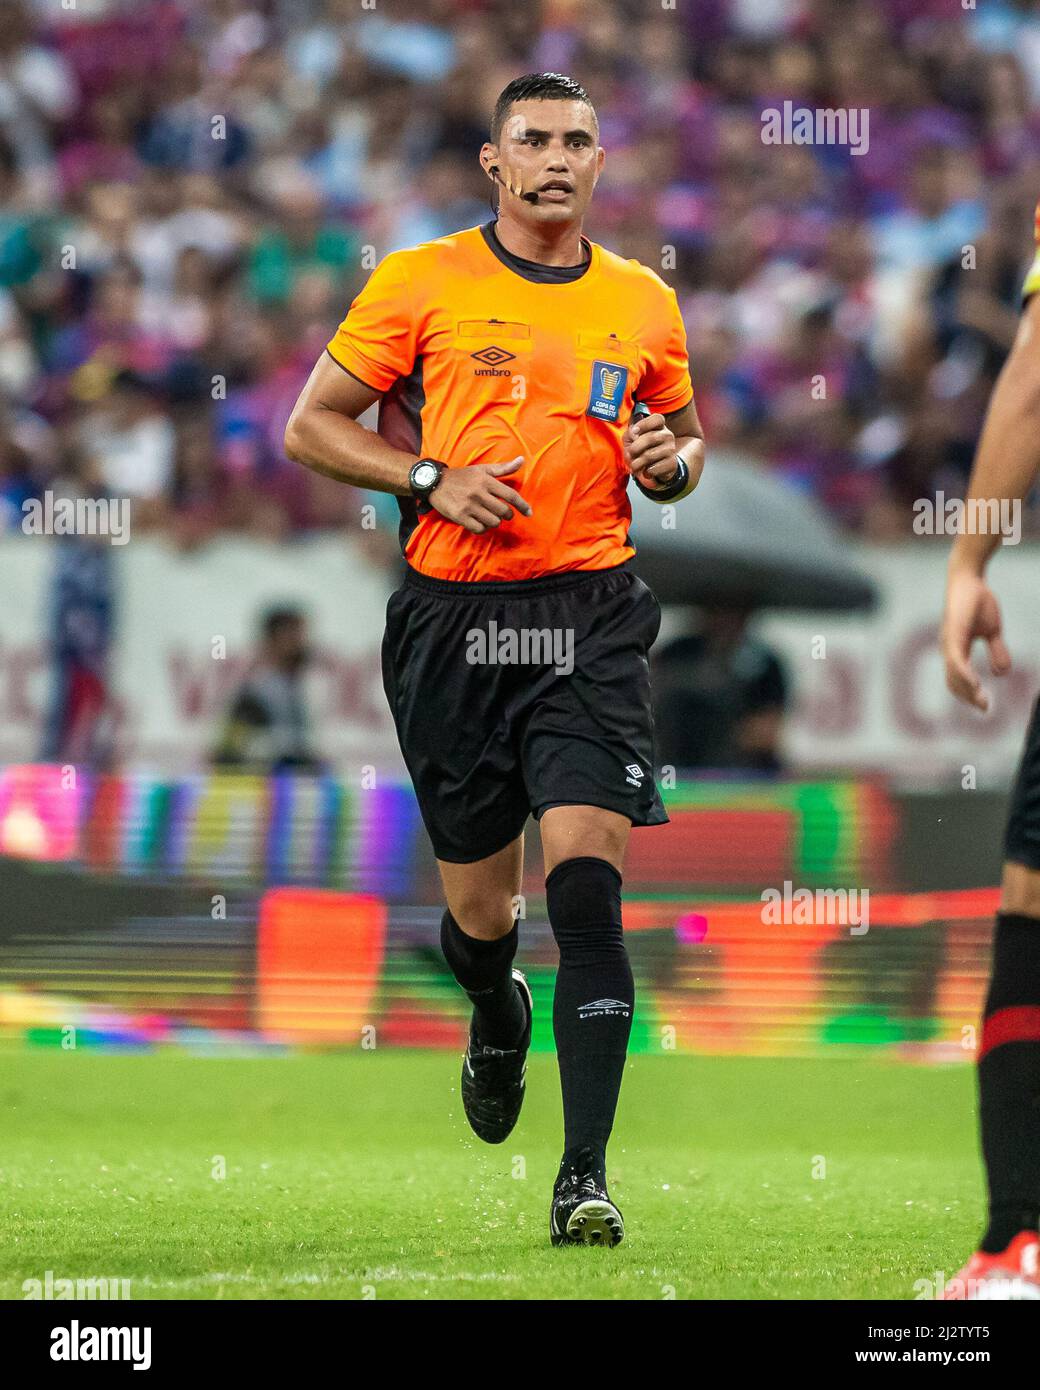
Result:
673,489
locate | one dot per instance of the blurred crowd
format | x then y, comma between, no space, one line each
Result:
188,189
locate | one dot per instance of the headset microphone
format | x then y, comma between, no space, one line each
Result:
494,174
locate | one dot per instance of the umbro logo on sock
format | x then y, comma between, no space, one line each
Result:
635,775
604,1006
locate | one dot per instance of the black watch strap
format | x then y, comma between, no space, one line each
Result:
671,490
422,468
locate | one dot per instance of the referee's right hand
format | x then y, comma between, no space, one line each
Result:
474,498
972,613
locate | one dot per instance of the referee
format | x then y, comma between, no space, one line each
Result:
507,360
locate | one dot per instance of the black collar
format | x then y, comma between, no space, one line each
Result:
534,270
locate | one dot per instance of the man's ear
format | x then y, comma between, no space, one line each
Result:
601,159
488,158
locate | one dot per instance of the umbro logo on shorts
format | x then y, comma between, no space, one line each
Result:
608,1007
635,774
492,358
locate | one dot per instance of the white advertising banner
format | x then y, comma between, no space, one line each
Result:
185,628
868,690
871,694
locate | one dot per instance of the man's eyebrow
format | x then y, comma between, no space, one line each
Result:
530,130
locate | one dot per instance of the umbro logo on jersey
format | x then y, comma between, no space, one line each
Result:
635,774
492,358
606,1007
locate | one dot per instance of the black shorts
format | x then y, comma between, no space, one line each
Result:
510,698
1022,839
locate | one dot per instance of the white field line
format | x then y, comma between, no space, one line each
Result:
375,1276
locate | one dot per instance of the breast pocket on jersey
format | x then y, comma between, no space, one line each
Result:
608,371
493,347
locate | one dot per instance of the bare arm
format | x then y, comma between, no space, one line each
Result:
323,434
1008,456
652,444
685,424
1006,467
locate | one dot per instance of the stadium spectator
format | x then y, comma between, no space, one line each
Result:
195,192
81,715
720,697
129,441
303,240
266,728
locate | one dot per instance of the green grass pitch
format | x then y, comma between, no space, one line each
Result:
354,1176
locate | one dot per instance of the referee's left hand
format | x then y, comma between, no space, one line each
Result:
650,450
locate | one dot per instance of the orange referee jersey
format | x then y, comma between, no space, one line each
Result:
1032,280
480,361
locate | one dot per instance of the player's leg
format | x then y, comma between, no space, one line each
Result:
448,715
479,940
1009,1063
1006,1265
588,764
459,749
572,831
584,849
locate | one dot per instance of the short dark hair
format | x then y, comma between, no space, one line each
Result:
537,86
274,622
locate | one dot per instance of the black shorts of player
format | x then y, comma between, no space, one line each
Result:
1022,840
510,698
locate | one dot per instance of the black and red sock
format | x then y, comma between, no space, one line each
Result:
1009,1081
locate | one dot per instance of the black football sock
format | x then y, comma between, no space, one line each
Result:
592,1005
1009,1081
484,970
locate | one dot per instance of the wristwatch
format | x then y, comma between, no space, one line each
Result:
424,476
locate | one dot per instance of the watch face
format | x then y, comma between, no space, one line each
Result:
425,475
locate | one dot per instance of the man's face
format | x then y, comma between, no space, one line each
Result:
929,185
550,148
289,645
